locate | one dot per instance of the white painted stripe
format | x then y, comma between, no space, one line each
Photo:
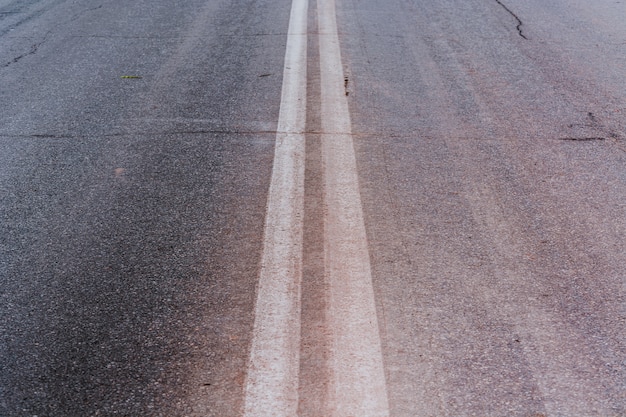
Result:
357,387
272,380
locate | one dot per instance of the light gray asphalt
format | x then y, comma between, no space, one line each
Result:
491,152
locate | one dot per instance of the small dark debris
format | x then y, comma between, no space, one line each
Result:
264,75
592,117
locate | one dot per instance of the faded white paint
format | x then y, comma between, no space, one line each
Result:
357,380
272,379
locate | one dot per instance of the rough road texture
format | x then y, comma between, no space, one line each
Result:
490,145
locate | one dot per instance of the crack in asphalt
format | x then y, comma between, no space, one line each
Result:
175,37
129,134
519,21
36,46
583,139
161,133
33,50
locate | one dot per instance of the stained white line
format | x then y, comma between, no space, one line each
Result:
272,379
357,387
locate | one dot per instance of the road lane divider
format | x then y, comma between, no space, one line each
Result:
356,380
271,387
357,384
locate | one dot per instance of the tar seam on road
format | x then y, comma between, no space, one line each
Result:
357,384
272,380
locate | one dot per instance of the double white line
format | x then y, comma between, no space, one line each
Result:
356,378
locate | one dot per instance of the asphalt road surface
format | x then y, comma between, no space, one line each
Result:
348,208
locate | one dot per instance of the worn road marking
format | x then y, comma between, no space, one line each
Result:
356,378
357,381
272,379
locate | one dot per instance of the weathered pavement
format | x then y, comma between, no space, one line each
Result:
489,149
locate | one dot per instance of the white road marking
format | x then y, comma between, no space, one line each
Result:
272,380
357,387
357,381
